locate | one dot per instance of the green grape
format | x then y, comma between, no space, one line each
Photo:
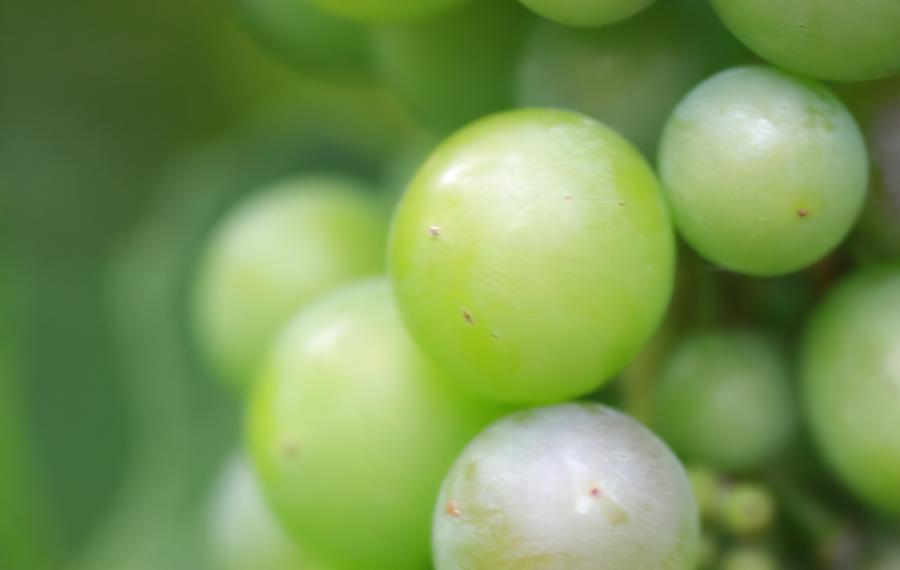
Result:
765,172
307,37
279,249
724,399
574,486
243,533
389,10
851,365
587,13
828,39
749,558
532,255
629,76
352,430
454,69
747,509
707,488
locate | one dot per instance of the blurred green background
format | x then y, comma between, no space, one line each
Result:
125,127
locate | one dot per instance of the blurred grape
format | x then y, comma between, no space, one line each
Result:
457,68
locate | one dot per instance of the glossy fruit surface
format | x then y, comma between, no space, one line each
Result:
352,430
852,384
532,255
765,172
278,250
574,486
827,39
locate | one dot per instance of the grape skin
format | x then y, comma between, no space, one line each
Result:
276,251
587,13
352,430
835,40
851,370
765,172
389,10
532,255
574,487
724,399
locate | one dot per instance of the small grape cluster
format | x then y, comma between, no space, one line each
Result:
426,389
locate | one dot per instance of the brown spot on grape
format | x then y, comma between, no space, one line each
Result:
595,492
468,317
621,203
452,509
803,212
290,449
434,231
567,197
495,336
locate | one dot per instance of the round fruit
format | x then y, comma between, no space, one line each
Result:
724,400
278,250
307,37
852,384
352,430
575,486
587,12
532,255
389,10
244,535
828,39
427,63
629,76
765,172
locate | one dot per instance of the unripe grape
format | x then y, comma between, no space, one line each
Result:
828,39
352,430
276,251
629,76
243,533
747,509
851,375
724,399
389,10
457,68
749,558
765,172
532,255
587,13
307,37
574,486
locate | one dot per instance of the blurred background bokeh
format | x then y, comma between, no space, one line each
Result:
129,129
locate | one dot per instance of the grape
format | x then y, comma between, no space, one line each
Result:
851,369
749,558
724,399
765,172
389,10
828,39
244,535
629,76
276,251
307,37
532,255
574,486
587,12
747,509
352,430
431,65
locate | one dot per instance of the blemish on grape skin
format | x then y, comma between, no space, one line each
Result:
290,449
468,317
595,492
495,336
802,212
452,509
434,231
567,197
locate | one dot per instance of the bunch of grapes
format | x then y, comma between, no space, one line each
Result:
637,306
